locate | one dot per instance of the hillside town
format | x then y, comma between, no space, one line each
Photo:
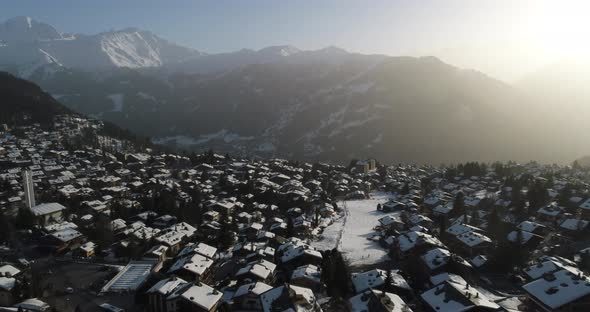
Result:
90,222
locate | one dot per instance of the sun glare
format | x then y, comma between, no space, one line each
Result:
562,28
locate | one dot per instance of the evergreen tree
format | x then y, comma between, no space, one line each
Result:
388,280
494,225
576,165
337,274
290,229
225,236
459,204
25,218
406,189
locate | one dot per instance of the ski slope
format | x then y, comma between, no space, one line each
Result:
350,232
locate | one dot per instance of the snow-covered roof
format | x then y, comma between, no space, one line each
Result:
261,269
66,235
294,251
305,298
376,278
559,288
437,257
7,283
537,270
166,286
442,277
525,237
9,270
456,295
574,224
473,239
585,204
200,248
529,226
47,208
257,289
131,277
460,228
201,295
33,304
478,261
360,302
174,234
309,271
196,264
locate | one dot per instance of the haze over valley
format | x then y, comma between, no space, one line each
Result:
326,104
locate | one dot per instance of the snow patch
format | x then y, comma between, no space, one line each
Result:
225,135
117,99
361,87
351,233
146,96
265,147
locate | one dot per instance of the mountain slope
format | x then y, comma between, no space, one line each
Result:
308,106
562,104
20,98
24,41
325,104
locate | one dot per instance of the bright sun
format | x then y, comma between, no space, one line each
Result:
561,28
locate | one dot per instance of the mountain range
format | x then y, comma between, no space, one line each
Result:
326,104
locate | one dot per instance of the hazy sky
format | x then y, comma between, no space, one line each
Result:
504,38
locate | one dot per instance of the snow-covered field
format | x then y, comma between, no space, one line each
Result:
351,231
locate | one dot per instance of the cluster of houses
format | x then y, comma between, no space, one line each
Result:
209,232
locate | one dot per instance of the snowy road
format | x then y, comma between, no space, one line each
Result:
351,231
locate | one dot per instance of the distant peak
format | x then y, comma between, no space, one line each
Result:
26,21
131,30
25,28
430,58
284,50
333,50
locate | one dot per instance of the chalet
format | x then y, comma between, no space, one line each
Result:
48,213
435,260
585,208
376,279
563,290
532,227
196,297
157,252
391,206
62,240
457,295
391,223
289,298
248,297
8,281
175,236
375,300
524,238
574,227
192,268
295,254
86,250
308,276
158,294
259,271
473,243
414,243
550,212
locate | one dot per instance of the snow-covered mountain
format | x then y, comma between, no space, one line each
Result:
326,104
27,43
25,29
305,106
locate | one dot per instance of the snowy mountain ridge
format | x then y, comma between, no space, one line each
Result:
26,41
